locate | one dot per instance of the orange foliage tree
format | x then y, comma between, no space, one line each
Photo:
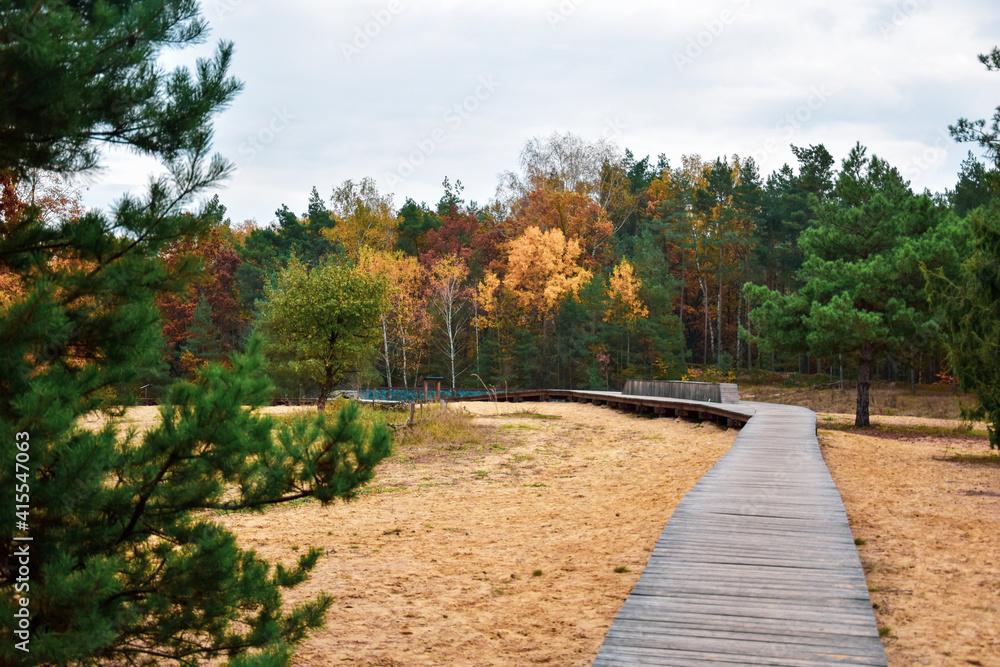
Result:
575,215
708,218
216,283
47,196
542,268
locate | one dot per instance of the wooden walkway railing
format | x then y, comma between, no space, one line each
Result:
757,565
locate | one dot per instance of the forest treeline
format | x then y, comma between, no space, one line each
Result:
589,268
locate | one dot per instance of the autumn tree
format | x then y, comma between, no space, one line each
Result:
463,236
317,321
499,313
569,182
216,283
624,305
707,212
572,213
448,299
405,321
674,203
542,269
364,218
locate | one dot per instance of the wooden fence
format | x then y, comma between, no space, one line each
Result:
711,392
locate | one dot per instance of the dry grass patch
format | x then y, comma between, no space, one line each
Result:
925,512
441,570
886,399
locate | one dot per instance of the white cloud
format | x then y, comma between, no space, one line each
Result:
894,75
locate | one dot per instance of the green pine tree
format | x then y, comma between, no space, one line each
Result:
862,291
203,344
125,564
971,302
971,305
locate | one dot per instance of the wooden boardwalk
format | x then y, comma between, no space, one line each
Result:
757,565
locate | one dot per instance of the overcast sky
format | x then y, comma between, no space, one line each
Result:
409,92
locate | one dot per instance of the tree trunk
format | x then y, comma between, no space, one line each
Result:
841,374
913,381
708,328
718,315
739,323
451,351
864,384
402,348
385,348
324,391
680,314
475,318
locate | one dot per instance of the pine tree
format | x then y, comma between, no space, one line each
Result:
971,304
125,564
863,292
203,345
971,301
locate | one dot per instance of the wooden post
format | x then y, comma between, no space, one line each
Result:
425,389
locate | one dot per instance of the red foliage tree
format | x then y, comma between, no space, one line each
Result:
217,284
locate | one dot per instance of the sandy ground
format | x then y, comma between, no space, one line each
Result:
434,565
929,513
437,564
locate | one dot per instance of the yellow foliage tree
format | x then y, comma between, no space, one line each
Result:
365,218
542,269
624,305
500,313
572,213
